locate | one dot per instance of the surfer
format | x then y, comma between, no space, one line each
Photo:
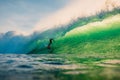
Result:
50,43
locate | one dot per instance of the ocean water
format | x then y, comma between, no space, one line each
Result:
53,67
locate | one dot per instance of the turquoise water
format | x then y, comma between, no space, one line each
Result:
54,67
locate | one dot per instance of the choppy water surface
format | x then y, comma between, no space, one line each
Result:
55,67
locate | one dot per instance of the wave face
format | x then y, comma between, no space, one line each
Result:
88,38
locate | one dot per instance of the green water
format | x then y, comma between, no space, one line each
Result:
97,37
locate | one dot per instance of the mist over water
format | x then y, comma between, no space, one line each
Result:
74,10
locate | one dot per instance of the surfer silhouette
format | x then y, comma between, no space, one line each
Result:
49,45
